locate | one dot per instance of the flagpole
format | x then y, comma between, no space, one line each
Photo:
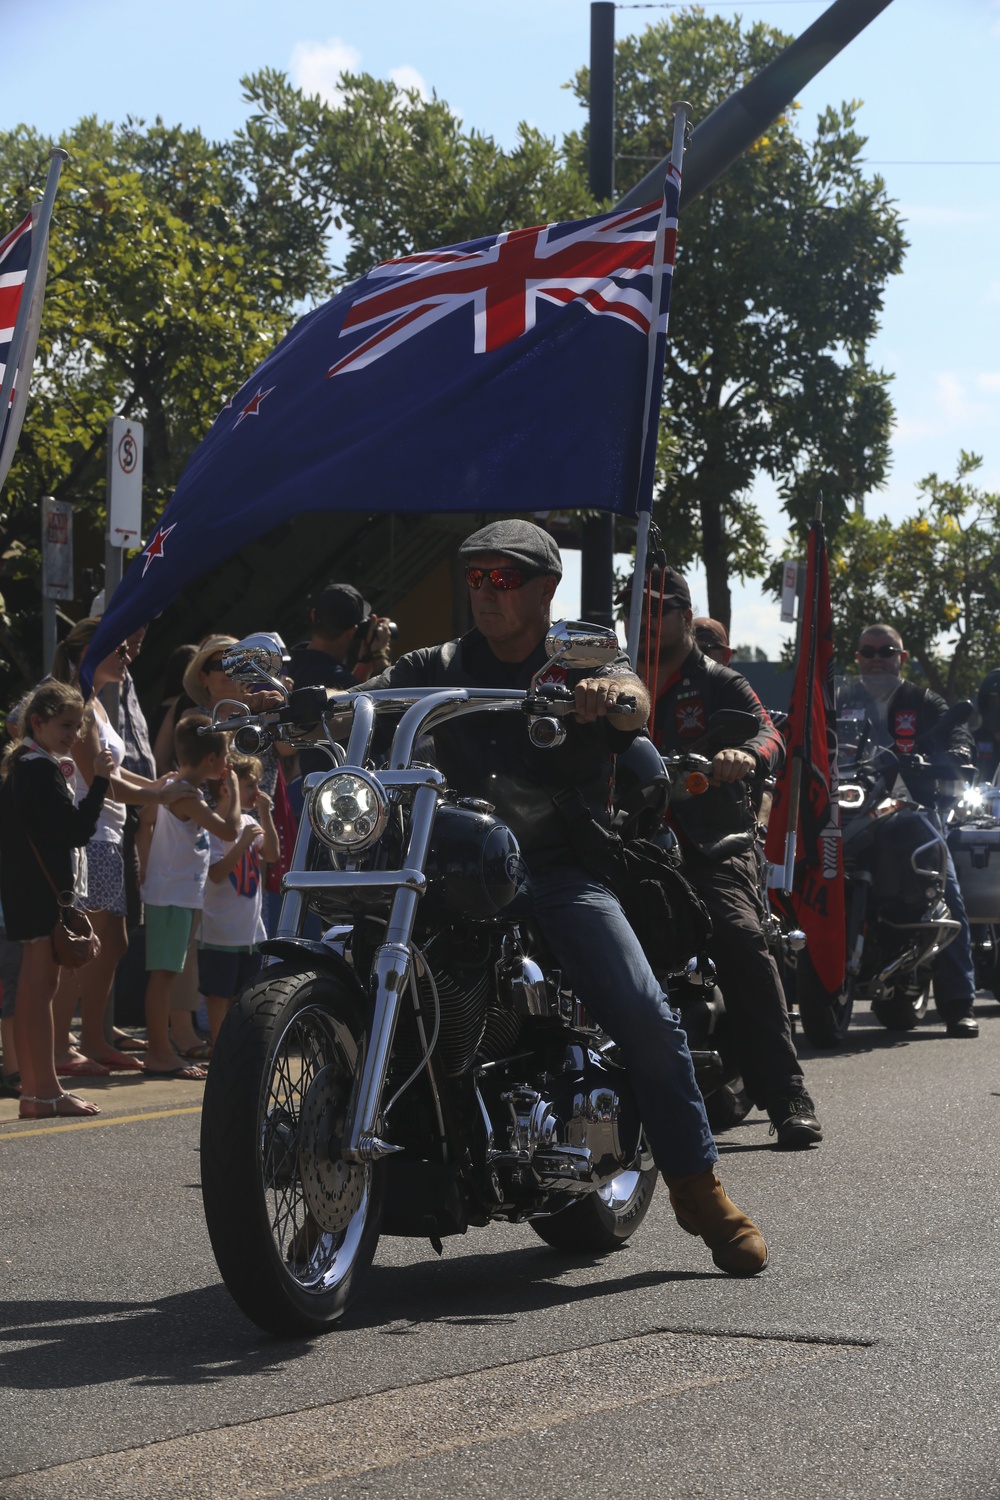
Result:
39,247
645,512
795,782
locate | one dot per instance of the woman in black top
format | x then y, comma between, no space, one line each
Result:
41,833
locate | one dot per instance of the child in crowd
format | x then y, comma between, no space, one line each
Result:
173,847
41,833
231,922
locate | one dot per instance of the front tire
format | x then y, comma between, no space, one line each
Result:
606,1218
824,1017
902,1009
293,1227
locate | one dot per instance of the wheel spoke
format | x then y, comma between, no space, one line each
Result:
307,1049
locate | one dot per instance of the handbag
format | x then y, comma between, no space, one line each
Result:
74,941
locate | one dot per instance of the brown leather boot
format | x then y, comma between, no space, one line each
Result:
703,1207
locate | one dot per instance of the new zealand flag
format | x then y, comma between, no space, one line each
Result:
507,373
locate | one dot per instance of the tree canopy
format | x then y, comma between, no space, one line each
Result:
175,265
177,262
782,266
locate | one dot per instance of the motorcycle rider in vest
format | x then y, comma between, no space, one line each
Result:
716,833
896,713
988,733
512,571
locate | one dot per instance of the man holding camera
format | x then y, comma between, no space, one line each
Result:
343,627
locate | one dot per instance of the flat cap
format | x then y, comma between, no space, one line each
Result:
522,541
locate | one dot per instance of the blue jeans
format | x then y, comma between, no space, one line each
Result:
602,961
954,971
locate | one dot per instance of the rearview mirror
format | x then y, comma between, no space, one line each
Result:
256,660
577,644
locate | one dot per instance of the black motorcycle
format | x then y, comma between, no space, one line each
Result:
973,833
645,782
895,857
422,1069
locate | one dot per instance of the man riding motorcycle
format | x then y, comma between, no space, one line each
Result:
896,713
716,834
512,570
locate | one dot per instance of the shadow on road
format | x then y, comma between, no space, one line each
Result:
491,1289
192,1339
200,1338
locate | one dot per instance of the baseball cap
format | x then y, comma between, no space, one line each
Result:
664,583
522,541
341,606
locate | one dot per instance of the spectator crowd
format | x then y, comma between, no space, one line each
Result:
148,831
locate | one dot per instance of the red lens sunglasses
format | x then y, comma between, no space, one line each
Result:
499,578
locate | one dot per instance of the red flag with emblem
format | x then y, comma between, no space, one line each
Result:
817,894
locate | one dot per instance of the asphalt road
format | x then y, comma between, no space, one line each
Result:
864,1362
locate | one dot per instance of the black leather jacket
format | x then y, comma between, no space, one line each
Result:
490,755
721,822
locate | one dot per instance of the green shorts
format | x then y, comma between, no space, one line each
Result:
168,932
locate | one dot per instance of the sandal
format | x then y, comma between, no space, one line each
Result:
200,1052
125,1042
82,1067
53,1110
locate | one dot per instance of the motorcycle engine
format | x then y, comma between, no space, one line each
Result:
566,1131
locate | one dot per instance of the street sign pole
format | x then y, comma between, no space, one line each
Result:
57,569
124,529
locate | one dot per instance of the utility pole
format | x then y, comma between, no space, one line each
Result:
597,534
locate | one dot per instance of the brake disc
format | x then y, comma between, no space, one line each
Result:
333,1188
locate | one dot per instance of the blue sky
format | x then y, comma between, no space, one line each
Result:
927,75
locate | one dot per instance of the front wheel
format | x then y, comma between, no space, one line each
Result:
606,1218
902,1009
824,1017
293,1226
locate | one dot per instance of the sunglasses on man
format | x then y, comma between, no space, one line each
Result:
870,652
499,578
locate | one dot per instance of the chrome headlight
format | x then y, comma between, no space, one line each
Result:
348,811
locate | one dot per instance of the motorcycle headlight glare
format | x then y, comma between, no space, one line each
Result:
348,811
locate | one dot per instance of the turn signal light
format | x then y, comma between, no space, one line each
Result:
695,783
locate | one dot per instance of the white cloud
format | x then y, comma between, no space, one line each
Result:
316,67
407,77
953,409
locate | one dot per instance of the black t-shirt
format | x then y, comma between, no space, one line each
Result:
489,755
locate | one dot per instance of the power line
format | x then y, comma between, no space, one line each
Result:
885,162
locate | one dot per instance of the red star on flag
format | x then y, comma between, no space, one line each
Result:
155,548
252,408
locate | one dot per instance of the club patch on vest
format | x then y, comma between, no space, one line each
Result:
905,729
690,717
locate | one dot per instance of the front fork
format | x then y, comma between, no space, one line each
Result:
390,977
860,886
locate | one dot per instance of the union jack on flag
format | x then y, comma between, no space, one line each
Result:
15,258
604,265
15,252
509,373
